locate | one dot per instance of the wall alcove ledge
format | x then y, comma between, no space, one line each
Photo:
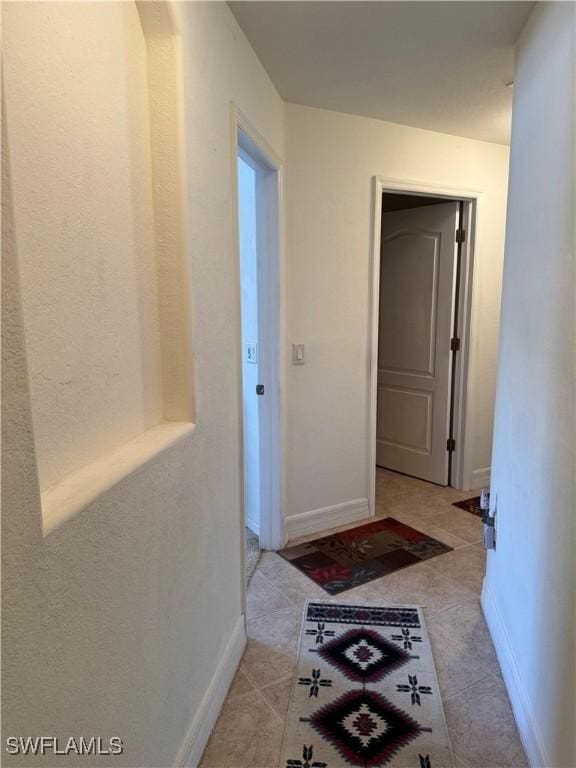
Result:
98,175
78,490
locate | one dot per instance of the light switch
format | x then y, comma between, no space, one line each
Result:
297,354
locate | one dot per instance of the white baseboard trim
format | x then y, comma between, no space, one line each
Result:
316,520
523,712
194,743
480,478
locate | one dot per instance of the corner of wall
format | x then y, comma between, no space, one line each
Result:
196,739
519,699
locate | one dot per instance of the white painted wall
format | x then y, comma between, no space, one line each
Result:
250,378
330,161
116,622
529,594
85,264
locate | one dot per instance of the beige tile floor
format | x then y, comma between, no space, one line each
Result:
248,733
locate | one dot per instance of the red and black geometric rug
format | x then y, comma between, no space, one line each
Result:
365,692
470,505
350,558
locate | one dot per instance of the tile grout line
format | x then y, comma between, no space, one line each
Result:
458,605
255,686
270,707
280,680
270,582
292,604
467,687
290,600
297,571
295,604
270,613
430,520
461,759
258,691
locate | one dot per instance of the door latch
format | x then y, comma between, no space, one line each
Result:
489,530
259,389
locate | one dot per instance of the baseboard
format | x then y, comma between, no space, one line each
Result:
317,520
523,712
190,752
480,478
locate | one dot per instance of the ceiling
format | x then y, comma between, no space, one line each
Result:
436,65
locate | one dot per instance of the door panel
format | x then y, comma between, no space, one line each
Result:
417,267
406,418
406,341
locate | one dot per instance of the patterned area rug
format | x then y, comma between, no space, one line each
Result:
350,558
470,505
365,691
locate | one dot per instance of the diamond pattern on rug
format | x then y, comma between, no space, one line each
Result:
470,505
361,695
347,559
363,654
365,728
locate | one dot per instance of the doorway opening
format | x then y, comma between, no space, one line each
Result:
251,351
421,307
257,176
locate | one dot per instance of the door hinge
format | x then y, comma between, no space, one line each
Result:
460,235
455,344
259,389
450,444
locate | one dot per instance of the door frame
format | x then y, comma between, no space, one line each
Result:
246,140
464,390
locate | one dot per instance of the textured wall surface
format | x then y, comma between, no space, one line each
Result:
114,624
81,174
330,161
530,584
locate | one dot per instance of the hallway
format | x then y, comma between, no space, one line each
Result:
125,612
480,721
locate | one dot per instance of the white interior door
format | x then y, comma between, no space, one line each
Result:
251,350
259,228
418,258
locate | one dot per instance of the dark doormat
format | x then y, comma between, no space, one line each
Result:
350,558
470,505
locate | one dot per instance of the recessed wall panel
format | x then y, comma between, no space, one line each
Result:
406,418
408,279
77,99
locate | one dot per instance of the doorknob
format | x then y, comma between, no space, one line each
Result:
259,389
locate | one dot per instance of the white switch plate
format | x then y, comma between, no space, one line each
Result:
252,352
298,354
